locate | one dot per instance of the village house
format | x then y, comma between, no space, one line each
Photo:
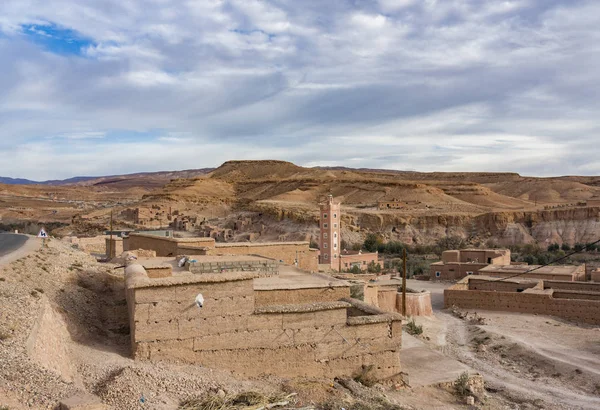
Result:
456,264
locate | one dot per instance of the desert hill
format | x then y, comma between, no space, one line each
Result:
148,179
506,207
283,182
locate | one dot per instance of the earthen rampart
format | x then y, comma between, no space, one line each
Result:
310,339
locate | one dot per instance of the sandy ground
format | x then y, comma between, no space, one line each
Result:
533,361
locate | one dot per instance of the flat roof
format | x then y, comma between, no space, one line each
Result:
566,270
291,277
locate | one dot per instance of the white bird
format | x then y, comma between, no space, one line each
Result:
200,300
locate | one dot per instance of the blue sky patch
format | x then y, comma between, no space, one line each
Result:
56,39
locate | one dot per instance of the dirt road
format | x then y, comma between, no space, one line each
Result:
534,361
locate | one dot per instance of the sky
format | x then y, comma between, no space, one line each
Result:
105,87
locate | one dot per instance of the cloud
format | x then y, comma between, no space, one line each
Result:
106,86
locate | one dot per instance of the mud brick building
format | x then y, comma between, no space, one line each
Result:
456,264
288,325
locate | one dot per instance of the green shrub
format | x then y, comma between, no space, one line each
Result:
461,385
373,267
413,328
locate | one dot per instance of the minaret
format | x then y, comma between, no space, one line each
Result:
329,239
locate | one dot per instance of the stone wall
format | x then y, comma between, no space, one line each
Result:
232,333
534,301
279,251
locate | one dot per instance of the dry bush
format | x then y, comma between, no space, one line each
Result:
365,377
245,400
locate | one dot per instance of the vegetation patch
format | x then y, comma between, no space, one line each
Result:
413,328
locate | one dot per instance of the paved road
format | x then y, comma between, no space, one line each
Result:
10,242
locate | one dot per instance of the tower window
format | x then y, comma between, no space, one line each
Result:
335,225
324,225
334,216
326,256
325,245
334,234
325,235
335,256
324,216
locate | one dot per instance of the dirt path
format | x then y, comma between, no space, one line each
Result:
508,382
533,360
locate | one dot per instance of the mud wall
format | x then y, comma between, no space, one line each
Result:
417,304
578,310
164,246
230,332
454,270
279,251
299,296
500,286
389,299
96,244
